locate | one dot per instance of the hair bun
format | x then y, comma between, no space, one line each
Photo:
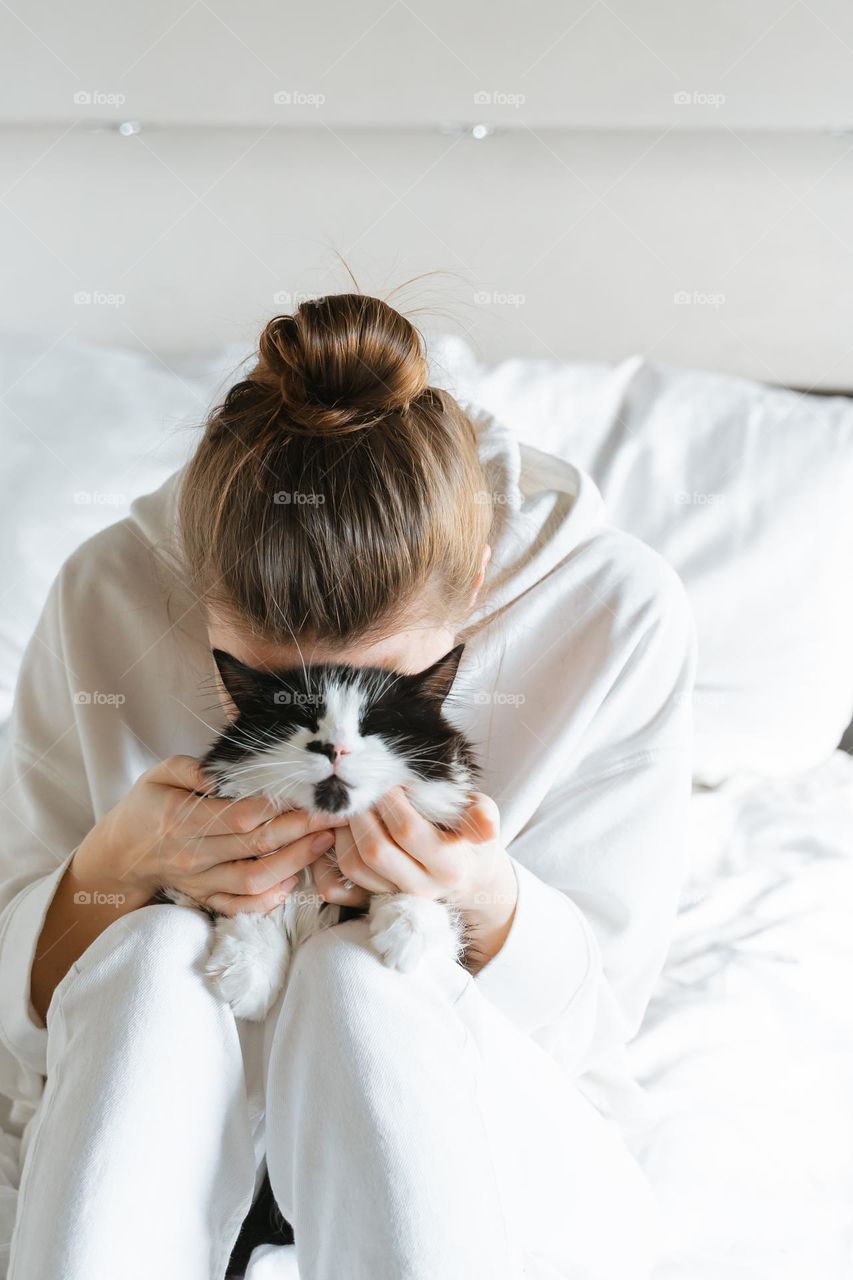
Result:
340,363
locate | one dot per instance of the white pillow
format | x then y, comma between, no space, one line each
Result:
83,431
748,492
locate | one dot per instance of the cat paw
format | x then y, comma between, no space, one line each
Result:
405,930
248,963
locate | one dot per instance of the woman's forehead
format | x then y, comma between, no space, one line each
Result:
411,649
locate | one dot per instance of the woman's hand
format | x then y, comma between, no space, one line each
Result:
228,855
394,849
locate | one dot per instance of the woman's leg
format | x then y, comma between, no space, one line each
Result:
414,1134
140,1161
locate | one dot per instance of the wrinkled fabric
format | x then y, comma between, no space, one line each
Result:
394,1138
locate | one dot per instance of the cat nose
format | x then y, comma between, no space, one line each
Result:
331,750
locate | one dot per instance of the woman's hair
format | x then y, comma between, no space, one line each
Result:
335,494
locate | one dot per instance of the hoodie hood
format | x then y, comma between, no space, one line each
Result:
544,509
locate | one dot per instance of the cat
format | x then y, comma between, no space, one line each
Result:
334,739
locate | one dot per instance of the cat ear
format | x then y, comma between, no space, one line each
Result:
436,682
241,682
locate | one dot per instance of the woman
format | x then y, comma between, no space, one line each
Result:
443,1124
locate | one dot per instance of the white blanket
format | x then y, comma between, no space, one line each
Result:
748,1047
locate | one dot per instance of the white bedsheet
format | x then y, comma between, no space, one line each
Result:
748,1047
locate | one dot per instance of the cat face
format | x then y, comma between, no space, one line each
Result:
334,738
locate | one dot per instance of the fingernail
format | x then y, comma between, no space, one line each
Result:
322,841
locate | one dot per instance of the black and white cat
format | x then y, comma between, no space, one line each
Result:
333,739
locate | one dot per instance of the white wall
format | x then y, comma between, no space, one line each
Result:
779,64
578,242
598,200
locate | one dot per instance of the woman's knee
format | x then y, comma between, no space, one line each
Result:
338,970
159,949
336,961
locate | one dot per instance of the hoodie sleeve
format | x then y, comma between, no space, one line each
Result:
600,863
46,812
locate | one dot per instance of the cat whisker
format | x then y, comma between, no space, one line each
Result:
252,765
292,635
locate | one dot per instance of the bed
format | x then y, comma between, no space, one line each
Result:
747,1049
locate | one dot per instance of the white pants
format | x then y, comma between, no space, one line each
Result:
411,1132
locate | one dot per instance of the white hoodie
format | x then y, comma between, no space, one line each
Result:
574,685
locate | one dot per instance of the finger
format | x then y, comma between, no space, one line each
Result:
283,829
408,828
354,868
231,904
256,815
185,772
202,816
381,857
481,821
201,854
250,876
331,888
